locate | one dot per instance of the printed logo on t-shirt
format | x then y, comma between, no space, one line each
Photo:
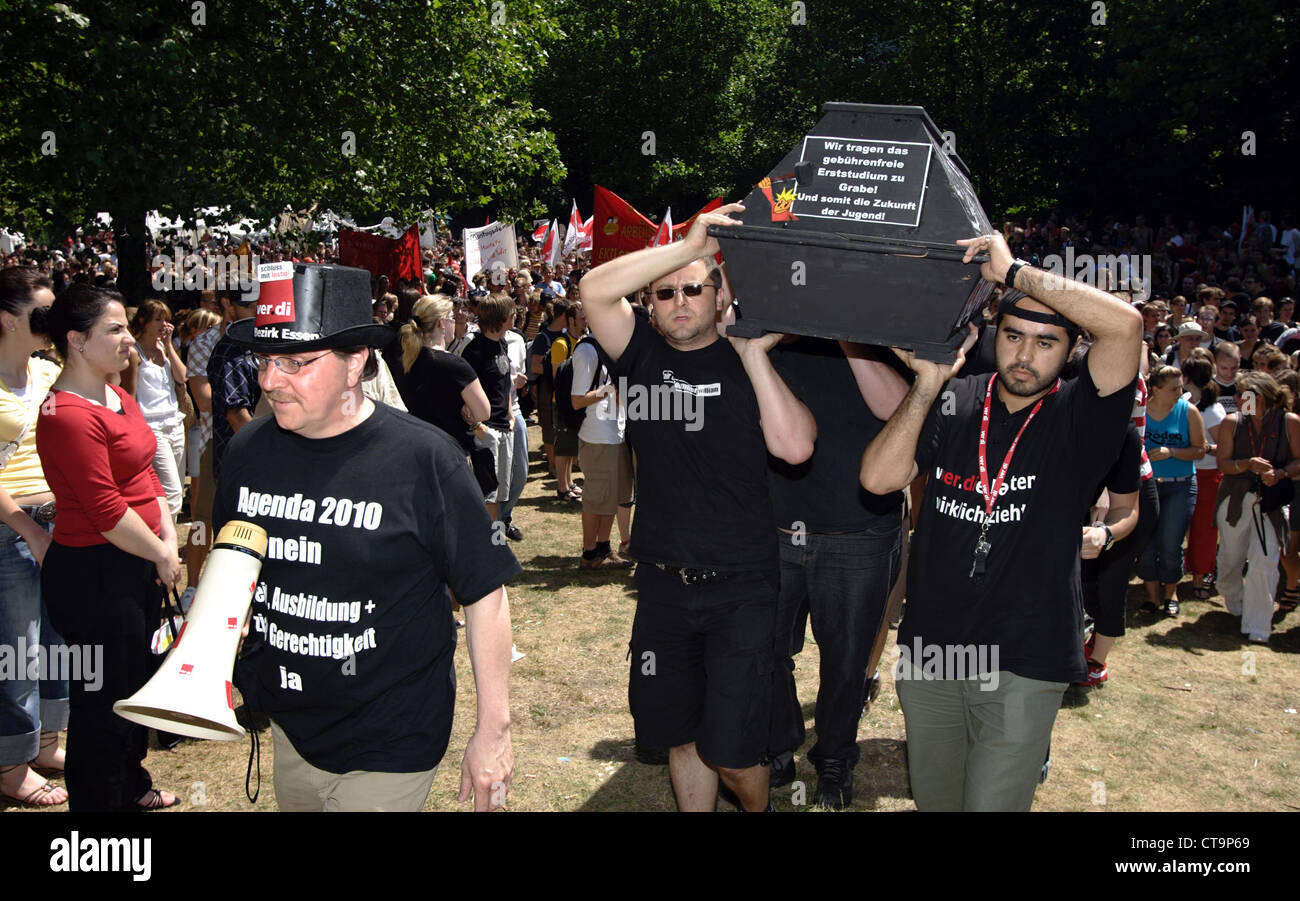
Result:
1167,439
972,509
676,400
713,389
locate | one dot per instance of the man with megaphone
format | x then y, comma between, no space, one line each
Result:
354,637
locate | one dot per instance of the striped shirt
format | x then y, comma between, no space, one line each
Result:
1140,420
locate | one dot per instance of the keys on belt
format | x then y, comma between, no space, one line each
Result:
42,514
690,576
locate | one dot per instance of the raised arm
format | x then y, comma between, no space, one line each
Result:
789,429
604,287
882,387
1116,327
889,462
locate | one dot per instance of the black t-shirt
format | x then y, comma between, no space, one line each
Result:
1125,475
701,462
1227,395
1028,605
368,530
1272,331
432,392
392,357
824,492
490,361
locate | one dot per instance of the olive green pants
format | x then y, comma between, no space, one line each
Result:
977,744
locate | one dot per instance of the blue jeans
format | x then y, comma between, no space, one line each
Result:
519,473
1162,560
26,706
843,582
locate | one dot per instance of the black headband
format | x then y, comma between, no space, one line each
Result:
1009,307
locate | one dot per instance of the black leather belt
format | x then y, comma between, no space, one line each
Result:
690,576
42,514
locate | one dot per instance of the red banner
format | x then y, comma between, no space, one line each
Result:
617,227
397,258
681,229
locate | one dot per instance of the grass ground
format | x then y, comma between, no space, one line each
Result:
1193,718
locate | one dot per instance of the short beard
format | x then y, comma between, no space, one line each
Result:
1025,390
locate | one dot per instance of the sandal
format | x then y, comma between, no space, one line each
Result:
1289,599
1201,592
44,795
48,740
1148,607
1171,607
154,799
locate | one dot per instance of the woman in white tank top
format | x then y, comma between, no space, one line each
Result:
151,377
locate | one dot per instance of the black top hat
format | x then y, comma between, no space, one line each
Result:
310,306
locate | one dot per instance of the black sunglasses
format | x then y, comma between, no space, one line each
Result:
692,289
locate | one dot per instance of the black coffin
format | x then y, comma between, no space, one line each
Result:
852,236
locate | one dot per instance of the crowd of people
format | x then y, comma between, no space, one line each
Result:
1175,399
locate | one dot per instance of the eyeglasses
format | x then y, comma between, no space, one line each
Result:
284,364
692,289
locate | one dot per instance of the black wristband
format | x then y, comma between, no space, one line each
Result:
1010,279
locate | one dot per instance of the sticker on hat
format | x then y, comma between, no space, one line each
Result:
275,299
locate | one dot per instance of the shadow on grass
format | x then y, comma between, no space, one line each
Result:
550,503
552,572
1213,630
1077,696
1288,641
881,773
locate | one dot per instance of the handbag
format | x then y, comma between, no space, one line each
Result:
485,468
1276,496
172,621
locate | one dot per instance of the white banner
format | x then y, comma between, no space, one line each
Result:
488,246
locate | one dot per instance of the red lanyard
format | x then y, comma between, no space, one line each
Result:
991,496
1263,431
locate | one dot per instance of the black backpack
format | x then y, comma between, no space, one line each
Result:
547,374
564,392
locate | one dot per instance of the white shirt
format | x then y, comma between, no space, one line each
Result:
1212,416
1291,241
606,418
517,350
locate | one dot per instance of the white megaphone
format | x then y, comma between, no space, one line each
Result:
191,693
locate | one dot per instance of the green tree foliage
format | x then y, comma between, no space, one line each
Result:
1078,105
362,106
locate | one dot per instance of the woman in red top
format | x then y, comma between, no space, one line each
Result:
114,545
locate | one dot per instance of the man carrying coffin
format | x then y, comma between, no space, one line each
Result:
356,636
993,632
705,533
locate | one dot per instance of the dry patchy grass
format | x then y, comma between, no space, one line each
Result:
1181,725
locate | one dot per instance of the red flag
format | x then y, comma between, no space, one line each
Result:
397,258
681,230
573,237
618,228
551,245
585,242
539,233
